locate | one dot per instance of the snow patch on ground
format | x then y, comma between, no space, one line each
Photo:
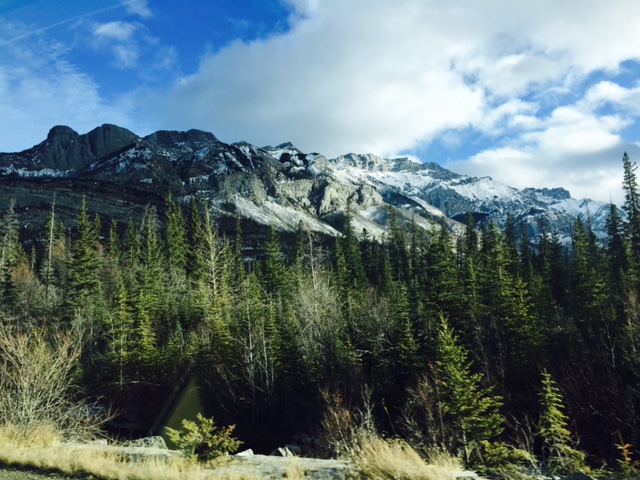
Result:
43,172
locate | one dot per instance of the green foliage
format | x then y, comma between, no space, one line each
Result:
628,468
503,460
266,336
175,226
11,253
85,259
203,439
472,409
559,454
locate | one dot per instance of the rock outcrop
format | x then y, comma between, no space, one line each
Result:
280,186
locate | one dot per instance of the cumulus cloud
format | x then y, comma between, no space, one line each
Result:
394,76
543,85
572,147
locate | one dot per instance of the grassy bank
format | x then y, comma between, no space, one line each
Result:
42,449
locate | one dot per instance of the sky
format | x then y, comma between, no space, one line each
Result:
533,94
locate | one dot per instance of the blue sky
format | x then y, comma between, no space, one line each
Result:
533,94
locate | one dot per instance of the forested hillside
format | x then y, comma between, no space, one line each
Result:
451,341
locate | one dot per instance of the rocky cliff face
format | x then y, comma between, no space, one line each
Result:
120,173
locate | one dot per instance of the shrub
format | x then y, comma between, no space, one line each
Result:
203,439
627,467
504,461
36,383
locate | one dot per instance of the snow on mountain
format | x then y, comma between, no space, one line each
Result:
283,187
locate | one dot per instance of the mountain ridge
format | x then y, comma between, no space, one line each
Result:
283,186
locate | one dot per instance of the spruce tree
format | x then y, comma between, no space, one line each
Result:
617,253
472,409
559,455
176,237
632,205
11,254
274,270
85,259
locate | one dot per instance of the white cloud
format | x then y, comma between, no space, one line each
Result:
388,77
138,7
572,147
125,41
394,76
44,91
118,31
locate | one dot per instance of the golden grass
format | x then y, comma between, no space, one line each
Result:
42,449
294,469
377,458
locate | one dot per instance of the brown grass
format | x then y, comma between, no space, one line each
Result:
378,458
44,449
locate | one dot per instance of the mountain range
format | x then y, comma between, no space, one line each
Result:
119,173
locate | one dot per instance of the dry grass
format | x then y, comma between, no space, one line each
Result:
294,469
377,458
43,449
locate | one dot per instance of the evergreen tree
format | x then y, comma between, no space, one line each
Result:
175,226
472,409
355,275
85,259
151,297
632,207
617,253
397,248
114,247
274,270
195,236
120,335
589,305
11,254
559,455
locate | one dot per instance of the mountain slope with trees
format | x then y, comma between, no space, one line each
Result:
475,341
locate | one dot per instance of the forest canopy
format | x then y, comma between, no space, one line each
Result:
457,342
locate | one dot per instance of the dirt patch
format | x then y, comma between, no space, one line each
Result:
12,474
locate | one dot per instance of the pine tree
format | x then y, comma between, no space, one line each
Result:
274,270
354,269
176,236
47,264
120,336
195,236
559,455
151,295
114,248
472,409
397,248
632,209
85,259
617,252
589,304
11,254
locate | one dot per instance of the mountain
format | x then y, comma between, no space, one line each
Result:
119,173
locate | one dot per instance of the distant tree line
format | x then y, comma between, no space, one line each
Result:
453,341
